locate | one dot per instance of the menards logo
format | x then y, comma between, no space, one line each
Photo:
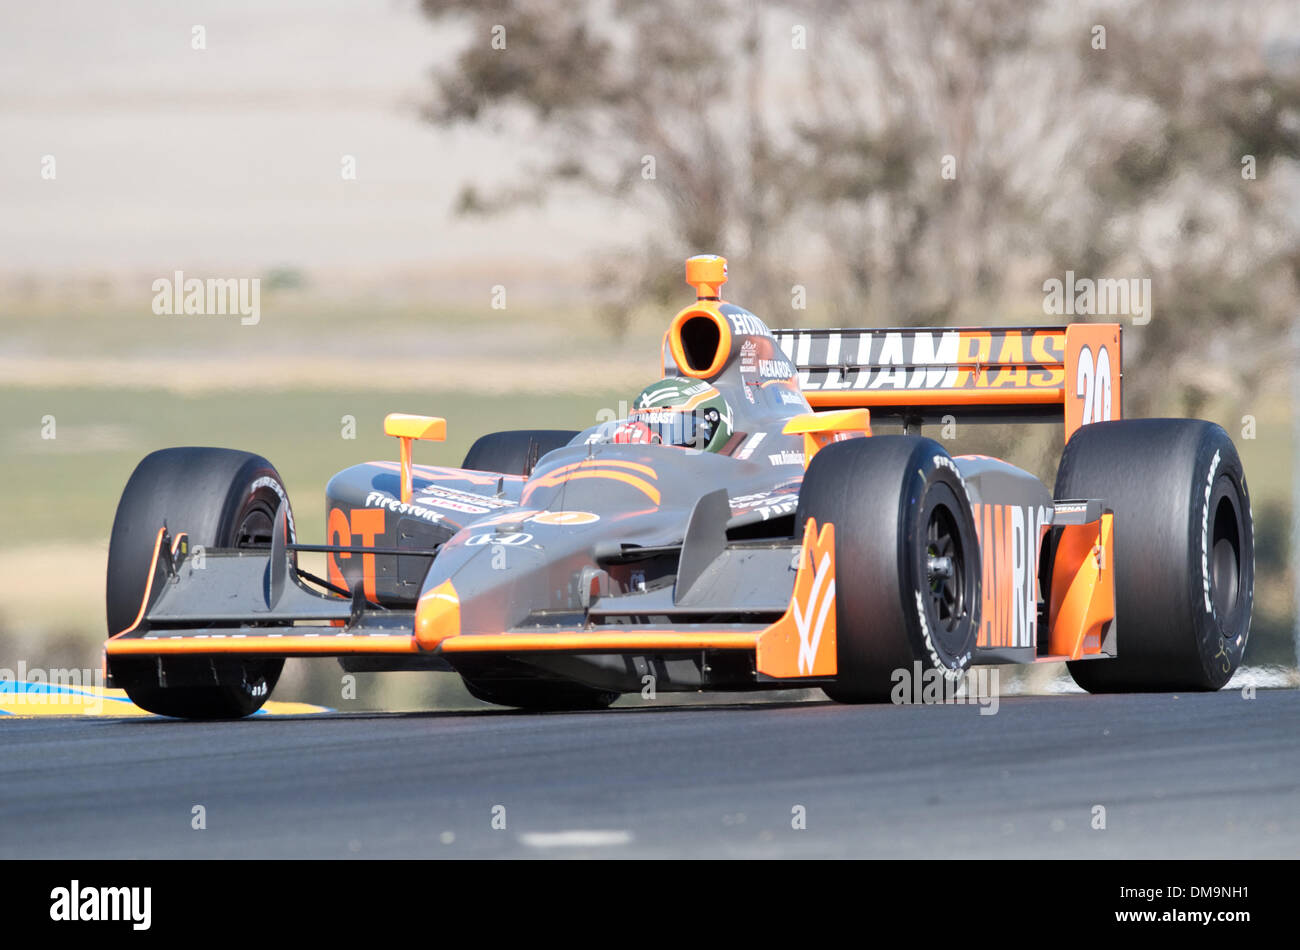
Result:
922,359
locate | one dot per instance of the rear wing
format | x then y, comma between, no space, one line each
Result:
972,373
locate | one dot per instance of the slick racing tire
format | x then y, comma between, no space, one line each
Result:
1184,551
539,696
218,498
907,561
514,452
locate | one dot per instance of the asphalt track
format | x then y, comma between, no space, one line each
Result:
1195,775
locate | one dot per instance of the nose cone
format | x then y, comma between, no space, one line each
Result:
437,615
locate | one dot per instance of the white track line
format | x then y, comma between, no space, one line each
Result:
577,838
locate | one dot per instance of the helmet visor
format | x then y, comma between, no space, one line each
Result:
688,430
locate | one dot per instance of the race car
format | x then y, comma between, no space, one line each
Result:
741,529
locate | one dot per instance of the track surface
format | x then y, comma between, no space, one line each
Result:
1193,775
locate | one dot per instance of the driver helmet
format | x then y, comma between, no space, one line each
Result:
687,413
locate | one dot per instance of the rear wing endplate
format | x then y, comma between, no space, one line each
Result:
972,373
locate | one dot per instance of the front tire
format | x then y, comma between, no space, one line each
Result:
515,451
219,498
1184,551
907,561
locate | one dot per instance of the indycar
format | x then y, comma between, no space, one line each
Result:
743,528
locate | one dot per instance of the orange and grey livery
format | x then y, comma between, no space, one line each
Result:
824,541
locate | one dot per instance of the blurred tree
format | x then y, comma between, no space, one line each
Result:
1115,152
920,161
1189,98
658,102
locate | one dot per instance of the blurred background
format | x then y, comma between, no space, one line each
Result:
480,210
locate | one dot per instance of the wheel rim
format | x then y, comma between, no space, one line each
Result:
255,527
945,570
1225,560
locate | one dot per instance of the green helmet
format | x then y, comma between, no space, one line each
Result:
688,413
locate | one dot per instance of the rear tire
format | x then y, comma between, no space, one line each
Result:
1184,551
900,508
514,452
219,498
